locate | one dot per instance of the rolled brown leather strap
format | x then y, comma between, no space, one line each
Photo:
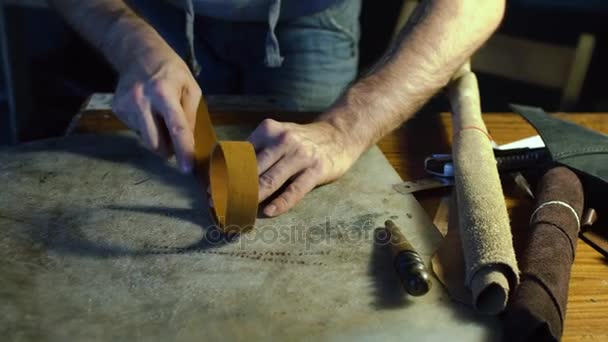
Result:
230,169
538,309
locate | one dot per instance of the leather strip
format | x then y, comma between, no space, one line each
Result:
230,169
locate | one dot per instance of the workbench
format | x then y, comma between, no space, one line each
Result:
406,148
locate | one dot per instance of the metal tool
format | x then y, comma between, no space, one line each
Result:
410,187
522,183
409,266
507,161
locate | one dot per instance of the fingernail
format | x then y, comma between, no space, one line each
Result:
270,209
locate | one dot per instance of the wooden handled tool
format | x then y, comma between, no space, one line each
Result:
409,266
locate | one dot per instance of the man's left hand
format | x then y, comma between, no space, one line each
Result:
300,157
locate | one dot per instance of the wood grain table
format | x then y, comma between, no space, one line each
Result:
406,148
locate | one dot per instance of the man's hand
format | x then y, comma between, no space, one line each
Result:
416,66
300,157
157,97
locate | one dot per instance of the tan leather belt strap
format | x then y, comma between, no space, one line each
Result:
233,175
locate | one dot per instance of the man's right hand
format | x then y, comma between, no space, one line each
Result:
157,97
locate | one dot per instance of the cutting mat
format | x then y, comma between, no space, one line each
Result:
102,240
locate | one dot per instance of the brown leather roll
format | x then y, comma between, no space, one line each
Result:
538,309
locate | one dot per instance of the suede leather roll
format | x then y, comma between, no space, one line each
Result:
537,310
491,271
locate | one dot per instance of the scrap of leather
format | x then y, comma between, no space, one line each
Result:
448,261
442,214
230,169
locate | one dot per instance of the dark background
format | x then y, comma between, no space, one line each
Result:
55,70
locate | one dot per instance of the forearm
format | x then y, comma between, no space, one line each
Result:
112,28
439,38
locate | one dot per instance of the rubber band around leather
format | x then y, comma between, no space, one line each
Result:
231,168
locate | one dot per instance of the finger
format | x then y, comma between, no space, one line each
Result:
271,142
271,180
191,97
150,128
165,148
269,156
293,194
181,136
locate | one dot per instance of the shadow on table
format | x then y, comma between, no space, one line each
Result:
420,137
58,228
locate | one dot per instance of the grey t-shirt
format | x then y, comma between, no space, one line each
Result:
254,10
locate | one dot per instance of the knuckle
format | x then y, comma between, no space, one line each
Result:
288,137
264,154
192,88
134,97
306,154
176,129
318,168
268,125
196,90
284,201
157,87
267,180
293,189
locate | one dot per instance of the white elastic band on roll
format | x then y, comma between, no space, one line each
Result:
578,221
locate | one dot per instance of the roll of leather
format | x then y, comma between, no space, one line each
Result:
538,308
230,169
491,271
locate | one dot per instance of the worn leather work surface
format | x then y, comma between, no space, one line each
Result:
102,240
